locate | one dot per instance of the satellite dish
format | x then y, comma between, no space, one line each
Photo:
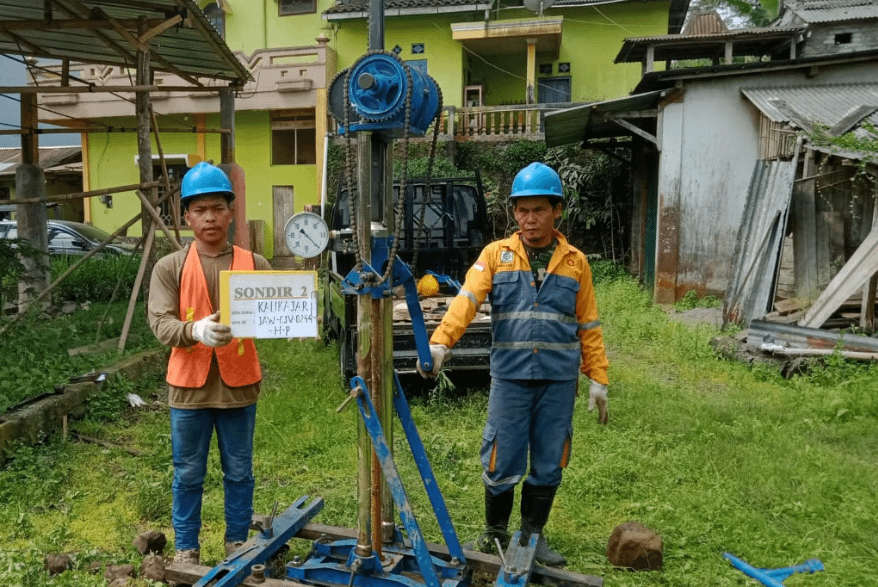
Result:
538,5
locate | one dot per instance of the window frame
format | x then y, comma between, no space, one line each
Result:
294,122
282,12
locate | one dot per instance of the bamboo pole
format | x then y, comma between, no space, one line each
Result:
155,130
135,289
147,205
108,130
82,195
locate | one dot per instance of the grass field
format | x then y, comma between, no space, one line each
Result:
714,456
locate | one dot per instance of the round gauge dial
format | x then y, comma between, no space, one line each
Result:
306,234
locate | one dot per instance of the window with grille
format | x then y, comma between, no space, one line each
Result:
166,208
217,18
293,138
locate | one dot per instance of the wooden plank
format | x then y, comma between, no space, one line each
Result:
183,574
637,130
858,269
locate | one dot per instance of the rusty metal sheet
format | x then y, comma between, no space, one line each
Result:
757,251
766,332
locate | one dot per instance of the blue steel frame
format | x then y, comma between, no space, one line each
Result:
773,577
238,566
337,563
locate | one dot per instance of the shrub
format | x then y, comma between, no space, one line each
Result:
98,279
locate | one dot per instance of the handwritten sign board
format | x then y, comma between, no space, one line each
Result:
269,304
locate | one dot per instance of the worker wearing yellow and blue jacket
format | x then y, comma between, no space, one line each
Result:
545,333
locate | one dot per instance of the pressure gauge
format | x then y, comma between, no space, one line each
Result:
306,234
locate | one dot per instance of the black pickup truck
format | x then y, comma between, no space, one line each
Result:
455,229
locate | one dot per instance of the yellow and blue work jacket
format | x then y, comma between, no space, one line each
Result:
552,333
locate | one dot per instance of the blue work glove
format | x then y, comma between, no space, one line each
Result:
439,353
597,396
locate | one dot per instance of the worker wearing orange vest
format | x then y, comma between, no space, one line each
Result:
213,378
546,333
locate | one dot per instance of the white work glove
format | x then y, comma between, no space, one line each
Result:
210,332
597,396
135,401
439,353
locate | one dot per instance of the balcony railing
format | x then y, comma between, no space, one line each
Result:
495,123
282,78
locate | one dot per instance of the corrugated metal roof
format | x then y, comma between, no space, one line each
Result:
824,104
91,31
755,41
574,125
838,14
10,158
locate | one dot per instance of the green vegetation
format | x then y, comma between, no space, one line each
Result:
715,456
34,347
98,279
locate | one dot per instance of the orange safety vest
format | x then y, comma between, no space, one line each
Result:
238,361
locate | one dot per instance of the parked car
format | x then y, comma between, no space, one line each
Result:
72,238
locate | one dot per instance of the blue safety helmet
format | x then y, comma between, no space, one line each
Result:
204,179
537,179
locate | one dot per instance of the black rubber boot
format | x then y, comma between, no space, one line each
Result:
498,508
536,504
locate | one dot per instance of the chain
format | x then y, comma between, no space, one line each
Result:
399,208
428,187
349,164
399,205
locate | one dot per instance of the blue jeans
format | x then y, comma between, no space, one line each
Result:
191,431
527,418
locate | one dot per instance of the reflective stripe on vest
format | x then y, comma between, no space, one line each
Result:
238,361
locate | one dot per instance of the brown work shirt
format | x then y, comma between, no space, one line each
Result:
164,319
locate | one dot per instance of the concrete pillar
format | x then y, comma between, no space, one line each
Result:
239,233
531,97
30,182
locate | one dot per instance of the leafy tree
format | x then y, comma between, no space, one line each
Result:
740,13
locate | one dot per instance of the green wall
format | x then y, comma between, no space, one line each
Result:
592,37
443,54
112,163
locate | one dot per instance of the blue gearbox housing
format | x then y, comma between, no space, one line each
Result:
378,96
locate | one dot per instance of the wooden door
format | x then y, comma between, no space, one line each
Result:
284,208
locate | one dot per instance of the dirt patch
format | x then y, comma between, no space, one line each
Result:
695,316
